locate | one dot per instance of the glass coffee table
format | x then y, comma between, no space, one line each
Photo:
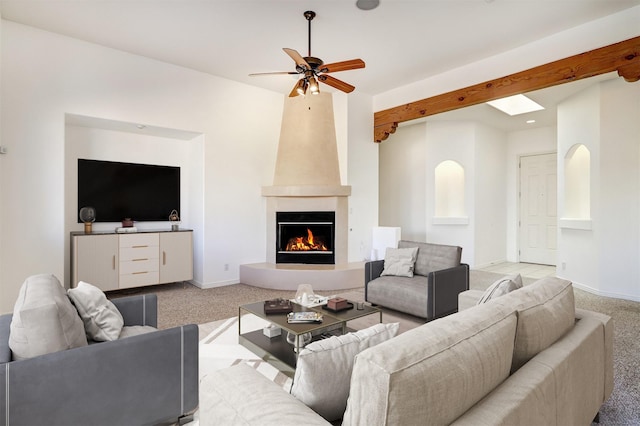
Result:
277,350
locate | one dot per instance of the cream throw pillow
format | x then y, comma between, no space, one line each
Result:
102,320
501,287
323,370
400,261
44,320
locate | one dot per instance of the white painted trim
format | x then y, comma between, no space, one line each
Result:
462,220
492,263
609,294
568,223
214,284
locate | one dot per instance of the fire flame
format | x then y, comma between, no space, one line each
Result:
307,243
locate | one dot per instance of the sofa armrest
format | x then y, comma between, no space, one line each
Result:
372,270
138,310
145,379
607,324
5,329
443,288
469,299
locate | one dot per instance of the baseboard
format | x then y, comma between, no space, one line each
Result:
597,292
486,265
215,284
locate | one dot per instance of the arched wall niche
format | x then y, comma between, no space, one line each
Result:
577,192
449,190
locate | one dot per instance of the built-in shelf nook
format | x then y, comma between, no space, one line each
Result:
577,192
449,194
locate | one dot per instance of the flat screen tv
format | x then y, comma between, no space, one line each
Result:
142,192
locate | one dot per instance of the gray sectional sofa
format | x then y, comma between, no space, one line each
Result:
432,291
528,357
148,378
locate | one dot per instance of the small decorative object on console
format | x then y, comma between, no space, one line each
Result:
277,306
304,317
127,222
87,216
174,219
338,303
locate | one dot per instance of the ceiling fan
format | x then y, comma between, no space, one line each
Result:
313,69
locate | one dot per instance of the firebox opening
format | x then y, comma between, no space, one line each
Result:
305,237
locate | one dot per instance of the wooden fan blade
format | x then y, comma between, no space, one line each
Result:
299,60
338,84
272,73
294,92
343,66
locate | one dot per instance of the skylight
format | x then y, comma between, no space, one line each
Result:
515,105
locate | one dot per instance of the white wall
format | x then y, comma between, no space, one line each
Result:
362,166
452,141
45,76
3,294
541,140
604,259
490,208
403,182
619,202
407,185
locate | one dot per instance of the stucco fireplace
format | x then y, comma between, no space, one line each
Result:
307,180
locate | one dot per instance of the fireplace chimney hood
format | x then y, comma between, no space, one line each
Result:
307,161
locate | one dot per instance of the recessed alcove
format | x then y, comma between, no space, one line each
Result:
577,191
449,194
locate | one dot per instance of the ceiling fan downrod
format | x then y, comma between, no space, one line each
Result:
309,14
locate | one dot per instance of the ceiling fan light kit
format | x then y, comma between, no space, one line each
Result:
314,70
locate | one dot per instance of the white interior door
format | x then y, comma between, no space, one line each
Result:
538,209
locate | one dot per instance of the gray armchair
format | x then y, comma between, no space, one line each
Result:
433,290
149,379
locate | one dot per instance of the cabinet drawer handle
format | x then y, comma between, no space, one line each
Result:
139,246
113,263
164,257
138,260
138,273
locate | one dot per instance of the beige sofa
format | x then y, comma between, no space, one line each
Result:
524,358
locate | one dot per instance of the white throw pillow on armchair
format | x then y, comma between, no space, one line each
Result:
400,261
102,320
323,369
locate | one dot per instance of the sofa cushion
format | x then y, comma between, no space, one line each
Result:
433,257
400,293
501,287
436,371
239,395
44,320
399,261
323,369
102,320
546,311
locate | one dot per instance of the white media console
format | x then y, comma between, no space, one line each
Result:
113,261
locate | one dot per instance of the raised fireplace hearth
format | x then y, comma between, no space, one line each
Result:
306,180
305,237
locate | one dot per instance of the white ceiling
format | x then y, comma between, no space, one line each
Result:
401,41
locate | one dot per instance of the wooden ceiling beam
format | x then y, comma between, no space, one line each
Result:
623,57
